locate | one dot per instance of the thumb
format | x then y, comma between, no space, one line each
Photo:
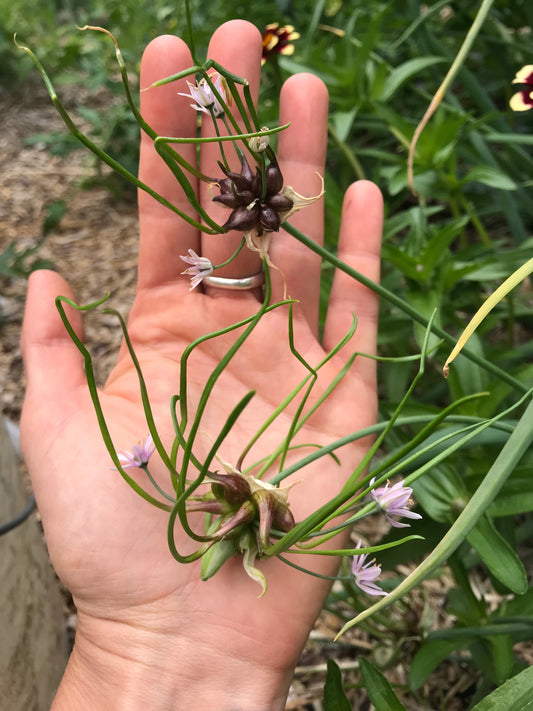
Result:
53,364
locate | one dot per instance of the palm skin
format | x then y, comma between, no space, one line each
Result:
109,546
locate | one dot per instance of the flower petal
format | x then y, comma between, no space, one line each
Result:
299,201
523,101
524,75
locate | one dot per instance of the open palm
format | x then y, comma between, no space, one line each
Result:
108,545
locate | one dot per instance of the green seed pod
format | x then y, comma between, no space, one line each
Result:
216,556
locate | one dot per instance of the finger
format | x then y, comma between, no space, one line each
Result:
55,379
302,154
359,247
164,236
50,356
237,46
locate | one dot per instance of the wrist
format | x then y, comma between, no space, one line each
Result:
114,666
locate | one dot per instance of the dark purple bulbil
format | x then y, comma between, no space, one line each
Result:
242,193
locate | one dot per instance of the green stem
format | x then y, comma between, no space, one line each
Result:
93,391
190,33
154,483
182,500
347,154
356,551
310,572
511,453
402,305
219,368
146,400
230,259
105,157
269,461
179,440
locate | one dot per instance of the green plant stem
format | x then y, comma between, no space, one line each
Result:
156,486
146,400
272,458
509,456
219,368
448,79
182,499
347,154
403,306
329,509
93,391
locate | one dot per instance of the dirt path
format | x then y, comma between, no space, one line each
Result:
94,246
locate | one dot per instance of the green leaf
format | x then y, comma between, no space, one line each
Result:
515,695
437,246
334,696
502,654
426,301
54,215
402,220
405,71
342,122
441,492
498,555
431,654
520,606
489,176
515,499
379,690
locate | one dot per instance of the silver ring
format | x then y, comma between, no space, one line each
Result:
242,283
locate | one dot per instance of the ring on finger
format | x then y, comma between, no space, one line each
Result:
236,284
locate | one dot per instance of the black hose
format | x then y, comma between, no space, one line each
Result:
30,506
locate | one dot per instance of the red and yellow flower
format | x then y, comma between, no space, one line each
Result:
523,100
277,40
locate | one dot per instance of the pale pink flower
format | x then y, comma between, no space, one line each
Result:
394,501
200,267
139,455
365,574
204,96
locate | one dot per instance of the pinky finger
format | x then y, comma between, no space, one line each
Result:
360,248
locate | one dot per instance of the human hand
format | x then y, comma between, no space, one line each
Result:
150,633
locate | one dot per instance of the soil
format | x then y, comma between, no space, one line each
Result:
95,245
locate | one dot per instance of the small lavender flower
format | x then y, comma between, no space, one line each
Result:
393,501
204,96
139,455
366,573
200,267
